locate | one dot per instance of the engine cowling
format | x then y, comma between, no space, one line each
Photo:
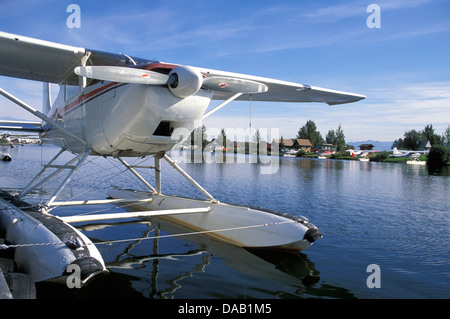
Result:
185,81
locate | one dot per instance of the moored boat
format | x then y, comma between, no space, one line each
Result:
44,247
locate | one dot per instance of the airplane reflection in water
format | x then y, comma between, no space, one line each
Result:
147,276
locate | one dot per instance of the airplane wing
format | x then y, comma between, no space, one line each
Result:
21,126
33,59
45,61
283,91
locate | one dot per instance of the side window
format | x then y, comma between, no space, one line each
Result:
71,92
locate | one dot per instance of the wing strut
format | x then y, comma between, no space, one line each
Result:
41,116
218,107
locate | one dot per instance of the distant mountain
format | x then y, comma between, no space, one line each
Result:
381,146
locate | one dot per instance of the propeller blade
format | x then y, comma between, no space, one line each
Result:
122,74
233,85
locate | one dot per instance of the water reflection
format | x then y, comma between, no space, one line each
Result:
293,269
443,171
146,270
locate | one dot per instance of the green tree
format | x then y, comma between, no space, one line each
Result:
410,141
309,131
222,139
281,143
198,136
438,156
446,136
336,137
257,140
331,137
429,135
340,139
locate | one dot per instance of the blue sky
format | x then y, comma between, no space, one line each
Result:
403,67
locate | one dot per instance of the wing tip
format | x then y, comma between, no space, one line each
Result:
351,99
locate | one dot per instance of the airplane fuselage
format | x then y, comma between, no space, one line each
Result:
119,119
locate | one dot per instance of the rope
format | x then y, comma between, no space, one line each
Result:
4,246
194,233
110,242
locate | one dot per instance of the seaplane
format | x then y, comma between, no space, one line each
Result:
412,155
405,153
118,106
5,144
362,155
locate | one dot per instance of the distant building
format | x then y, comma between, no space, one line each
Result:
295,144
366,147
326,148
424,146
304,144
287,142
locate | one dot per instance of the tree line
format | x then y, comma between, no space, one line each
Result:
412,139
199,137
335,137
438,156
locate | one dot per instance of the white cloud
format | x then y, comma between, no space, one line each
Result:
385,115
356,8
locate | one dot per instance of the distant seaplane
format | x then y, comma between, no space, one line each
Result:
412,155
118,106
362,155
404,153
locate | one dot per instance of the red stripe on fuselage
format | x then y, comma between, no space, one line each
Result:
106,88
87,98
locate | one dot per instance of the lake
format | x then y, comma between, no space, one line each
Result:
385,228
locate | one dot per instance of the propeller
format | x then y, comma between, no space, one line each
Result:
182,81
122,74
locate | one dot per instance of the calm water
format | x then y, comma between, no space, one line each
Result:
391,215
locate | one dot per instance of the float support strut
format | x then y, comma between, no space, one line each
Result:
189,178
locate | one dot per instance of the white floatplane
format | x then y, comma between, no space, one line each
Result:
415,159
290,153
118,106
362,155
404,153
